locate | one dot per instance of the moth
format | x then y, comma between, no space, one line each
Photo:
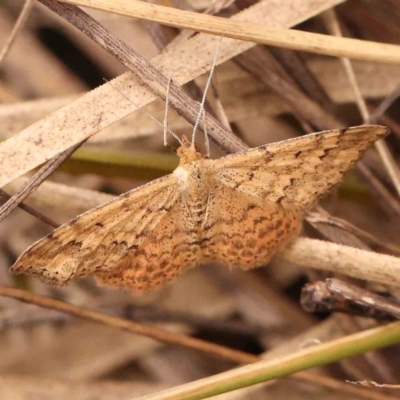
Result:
237,211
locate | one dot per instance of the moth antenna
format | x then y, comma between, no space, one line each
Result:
203,100
207,142
154,119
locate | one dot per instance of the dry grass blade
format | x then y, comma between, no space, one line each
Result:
96,110
147,74
244,102
296,40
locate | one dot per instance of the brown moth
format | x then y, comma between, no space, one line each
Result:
237,211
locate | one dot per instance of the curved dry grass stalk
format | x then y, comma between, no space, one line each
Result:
350,261
69,125
296,40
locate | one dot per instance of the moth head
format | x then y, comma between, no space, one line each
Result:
188,152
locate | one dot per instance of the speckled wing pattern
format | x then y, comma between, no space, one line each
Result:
260,195
297,172
107,240
238,211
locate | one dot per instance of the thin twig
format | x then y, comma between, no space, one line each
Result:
26,315
129,326
31,211
393,171
35,181
262,34
26,9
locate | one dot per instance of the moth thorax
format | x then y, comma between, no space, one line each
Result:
182,174
192,178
